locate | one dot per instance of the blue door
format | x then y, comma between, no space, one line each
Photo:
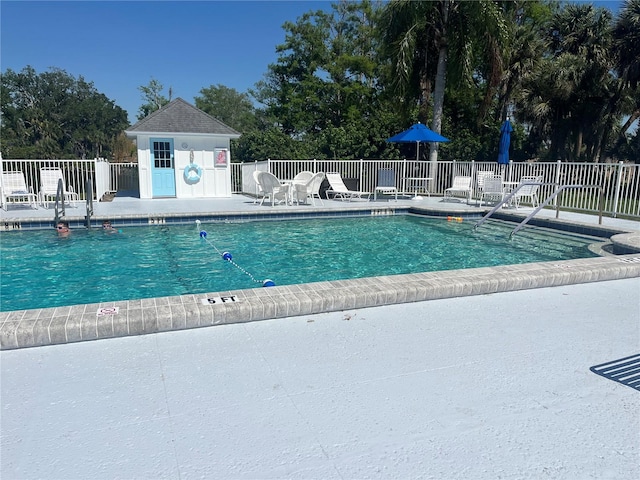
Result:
163,177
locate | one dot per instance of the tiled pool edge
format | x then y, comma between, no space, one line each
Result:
51,326
158,219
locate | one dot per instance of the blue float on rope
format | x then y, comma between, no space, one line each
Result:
229,258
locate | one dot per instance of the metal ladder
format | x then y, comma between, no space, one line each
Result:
89,195
559,190
58,207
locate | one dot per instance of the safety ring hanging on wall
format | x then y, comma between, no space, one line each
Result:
192,172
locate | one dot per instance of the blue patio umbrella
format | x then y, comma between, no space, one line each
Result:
417,133
505,140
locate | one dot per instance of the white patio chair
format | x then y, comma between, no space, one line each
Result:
530,191
301,180
272,188
492,189
338,189
303,177
14,190
49,178
386,183
310,189
480,176
259,192
461,188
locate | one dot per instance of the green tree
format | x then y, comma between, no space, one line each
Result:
124,149
571,99
527,22
54,115
428,40
626,33
231,107
153,98
626,38
270,142
323,90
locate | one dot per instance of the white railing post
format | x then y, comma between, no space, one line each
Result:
557,180
616,197
404,175
474,173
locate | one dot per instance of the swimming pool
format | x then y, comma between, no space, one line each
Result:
144,262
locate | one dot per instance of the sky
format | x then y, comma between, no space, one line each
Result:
122,45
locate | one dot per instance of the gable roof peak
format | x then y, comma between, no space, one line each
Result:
179,116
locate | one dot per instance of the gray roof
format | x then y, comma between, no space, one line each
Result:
181,117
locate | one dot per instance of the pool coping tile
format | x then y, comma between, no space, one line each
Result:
50,326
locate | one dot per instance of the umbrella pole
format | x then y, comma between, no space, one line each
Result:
417,151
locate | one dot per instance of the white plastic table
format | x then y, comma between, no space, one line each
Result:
507,188
417,183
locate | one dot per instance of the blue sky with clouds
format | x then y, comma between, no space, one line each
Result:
121,45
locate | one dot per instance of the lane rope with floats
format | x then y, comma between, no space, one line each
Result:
229,258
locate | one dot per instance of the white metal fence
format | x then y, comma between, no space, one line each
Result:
123,177
105,177
620,181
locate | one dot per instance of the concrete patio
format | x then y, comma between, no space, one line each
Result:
482,387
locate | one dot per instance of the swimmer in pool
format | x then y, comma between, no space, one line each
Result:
108,228
63,229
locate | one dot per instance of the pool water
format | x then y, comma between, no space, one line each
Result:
39,269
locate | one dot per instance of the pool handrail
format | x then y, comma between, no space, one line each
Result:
559,189
506,200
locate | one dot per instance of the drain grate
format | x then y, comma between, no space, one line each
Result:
630,260
625,371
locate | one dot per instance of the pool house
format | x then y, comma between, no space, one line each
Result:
183,152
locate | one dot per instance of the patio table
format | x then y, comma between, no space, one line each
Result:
507,188
292,188
417,183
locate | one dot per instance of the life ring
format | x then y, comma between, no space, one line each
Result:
192,173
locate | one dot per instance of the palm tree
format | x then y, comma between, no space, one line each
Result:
421,37
570,100
526,21
626,35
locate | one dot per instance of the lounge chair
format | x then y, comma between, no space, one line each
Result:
386,183
272,188
492,189
530,191
461,188
337,189
309,189
14,190
49,178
